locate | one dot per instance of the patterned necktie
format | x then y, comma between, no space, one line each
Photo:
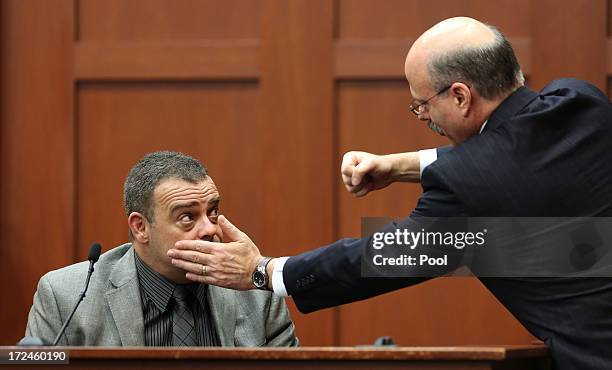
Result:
183,323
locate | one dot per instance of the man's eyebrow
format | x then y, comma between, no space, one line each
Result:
417,100
214,201
179,206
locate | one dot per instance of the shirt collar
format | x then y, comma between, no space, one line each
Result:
483,127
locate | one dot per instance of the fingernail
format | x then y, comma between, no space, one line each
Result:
171,253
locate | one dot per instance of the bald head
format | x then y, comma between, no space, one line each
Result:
464,49
450,34
459,72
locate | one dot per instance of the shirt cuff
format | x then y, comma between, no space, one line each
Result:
426,157
278,285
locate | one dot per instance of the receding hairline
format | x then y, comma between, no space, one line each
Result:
457,39
459,29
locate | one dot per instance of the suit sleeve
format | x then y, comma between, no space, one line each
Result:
280,330
331,275
44,320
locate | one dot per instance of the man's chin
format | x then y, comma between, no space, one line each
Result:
179,278
176,275
435,128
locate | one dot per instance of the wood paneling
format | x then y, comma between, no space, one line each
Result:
610,57
119,20
37,152
577,49
269,95
401,19
444,311
119,123
367,59
297,147
374,117
229,60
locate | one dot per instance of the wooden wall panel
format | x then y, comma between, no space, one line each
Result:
162,61
155,20
36,152
443,311
374,116
398,19
569,45
275,92
119,123
299,165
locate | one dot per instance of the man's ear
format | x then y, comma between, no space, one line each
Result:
462,96
139,227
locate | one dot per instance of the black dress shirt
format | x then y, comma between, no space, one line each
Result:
156,295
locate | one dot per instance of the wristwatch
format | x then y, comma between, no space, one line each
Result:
260,276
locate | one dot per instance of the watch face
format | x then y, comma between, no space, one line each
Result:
259,279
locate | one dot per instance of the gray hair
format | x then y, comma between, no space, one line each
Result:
492,70
146,175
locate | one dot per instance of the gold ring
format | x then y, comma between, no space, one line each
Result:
203,270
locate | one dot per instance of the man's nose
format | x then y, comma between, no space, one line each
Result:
207,229
424,116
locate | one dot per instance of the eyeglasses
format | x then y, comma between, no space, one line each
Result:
420,108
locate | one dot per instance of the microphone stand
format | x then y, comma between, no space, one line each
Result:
63,329
94,254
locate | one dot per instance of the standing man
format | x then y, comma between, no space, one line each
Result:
516,153
137,297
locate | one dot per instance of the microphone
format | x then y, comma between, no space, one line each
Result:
92,256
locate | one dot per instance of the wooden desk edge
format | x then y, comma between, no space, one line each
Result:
470,353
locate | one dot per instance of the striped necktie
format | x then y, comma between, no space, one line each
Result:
183,323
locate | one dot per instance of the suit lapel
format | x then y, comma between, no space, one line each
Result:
222,303
122,298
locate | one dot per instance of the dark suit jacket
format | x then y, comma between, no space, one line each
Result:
541,154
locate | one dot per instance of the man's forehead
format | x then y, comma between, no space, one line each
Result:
416,74
417,88
175,190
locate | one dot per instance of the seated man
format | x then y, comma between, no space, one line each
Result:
137,297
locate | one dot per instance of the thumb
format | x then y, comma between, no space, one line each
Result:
230,232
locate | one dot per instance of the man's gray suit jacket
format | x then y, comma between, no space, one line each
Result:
111,313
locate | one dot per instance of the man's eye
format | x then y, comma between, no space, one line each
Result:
214,214
187,217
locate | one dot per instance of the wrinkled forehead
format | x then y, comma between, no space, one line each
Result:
174,190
